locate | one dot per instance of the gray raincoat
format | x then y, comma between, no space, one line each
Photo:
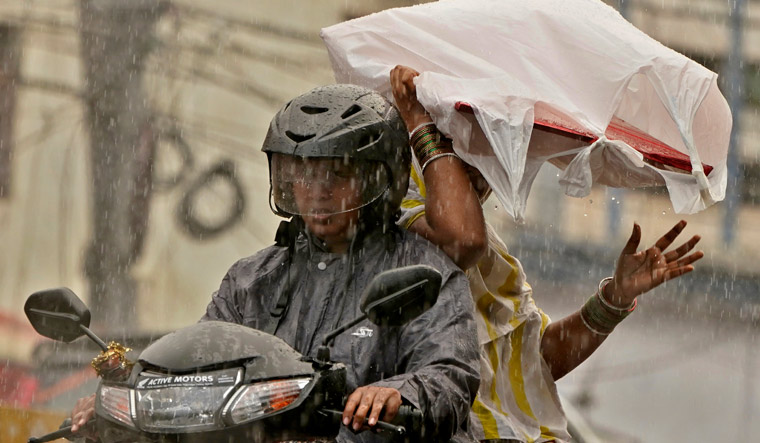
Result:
433,361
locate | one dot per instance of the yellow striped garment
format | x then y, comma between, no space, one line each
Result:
517,398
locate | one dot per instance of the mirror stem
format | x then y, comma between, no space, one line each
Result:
331,336
323,352
94,337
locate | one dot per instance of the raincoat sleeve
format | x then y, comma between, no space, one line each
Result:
233,302
438,353
222,306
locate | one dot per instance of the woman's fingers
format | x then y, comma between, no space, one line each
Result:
682,266
405,91
667,239
683,249
633,241
689,259
402,78
673,273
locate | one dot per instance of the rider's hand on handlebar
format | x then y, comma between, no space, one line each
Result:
83,411
370,400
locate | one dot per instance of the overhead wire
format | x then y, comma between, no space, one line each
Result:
51,126
239,51
258,26
232,84
233,147
50,86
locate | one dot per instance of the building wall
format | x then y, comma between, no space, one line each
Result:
217,74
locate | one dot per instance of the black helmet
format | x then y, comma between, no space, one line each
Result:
346,127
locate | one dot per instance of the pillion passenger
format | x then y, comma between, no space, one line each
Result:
522,352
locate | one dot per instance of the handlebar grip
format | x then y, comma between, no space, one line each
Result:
63,432
407,417
408,413
385,426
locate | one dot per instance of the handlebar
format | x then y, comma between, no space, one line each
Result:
63,432
408,415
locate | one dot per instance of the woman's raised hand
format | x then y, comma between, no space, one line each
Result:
639,272
405,94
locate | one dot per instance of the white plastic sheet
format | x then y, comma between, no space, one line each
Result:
572,64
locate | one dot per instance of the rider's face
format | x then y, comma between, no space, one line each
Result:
328,188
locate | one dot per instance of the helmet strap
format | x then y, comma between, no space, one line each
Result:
288,231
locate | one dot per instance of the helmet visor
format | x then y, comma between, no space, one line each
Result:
324,186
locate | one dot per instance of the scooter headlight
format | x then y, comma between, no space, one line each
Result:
256,400
115,401
183,403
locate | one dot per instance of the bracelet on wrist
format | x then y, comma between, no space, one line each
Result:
423,133
429,144
590,328
436,157
600,316
422,146
430,151
420,126
600,292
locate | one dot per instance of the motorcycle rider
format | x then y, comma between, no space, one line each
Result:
338,172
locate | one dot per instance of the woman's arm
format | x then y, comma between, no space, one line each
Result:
453,218
568,342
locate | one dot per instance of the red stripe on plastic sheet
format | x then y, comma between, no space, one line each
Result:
651,148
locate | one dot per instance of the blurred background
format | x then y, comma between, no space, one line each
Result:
130,172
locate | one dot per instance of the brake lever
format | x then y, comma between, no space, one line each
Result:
380,425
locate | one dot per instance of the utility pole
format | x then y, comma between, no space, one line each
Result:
10,64
617,195
734,86
116,37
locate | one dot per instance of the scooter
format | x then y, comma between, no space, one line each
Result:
216,381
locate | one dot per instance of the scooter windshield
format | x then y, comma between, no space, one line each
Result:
325,186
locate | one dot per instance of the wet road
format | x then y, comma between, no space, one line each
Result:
684,367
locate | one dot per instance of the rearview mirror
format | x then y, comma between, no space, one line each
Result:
397,296
58,314
392,298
